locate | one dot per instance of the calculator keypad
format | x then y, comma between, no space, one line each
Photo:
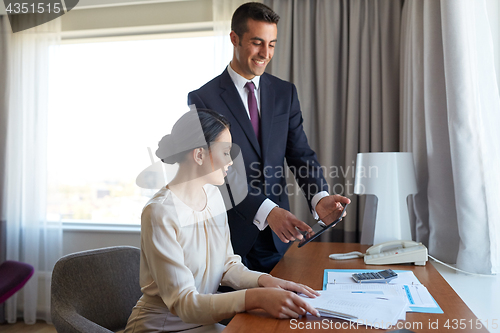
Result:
383,276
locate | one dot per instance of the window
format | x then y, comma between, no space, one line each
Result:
109,101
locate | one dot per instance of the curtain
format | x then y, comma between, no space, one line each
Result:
222,11
450,115
3,136
343,56
29,237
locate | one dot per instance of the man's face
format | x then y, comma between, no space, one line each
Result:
254,50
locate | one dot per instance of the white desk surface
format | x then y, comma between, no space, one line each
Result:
481,294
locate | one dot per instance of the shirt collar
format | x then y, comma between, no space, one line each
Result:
240,81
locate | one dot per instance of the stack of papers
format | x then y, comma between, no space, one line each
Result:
365,309
378,305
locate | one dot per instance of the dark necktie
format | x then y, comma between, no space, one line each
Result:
252,109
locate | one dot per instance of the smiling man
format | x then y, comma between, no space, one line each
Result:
253,46
266,123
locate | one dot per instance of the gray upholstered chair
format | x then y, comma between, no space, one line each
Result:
95,291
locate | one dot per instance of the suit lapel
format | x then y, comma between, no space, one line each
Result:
266,112
231,97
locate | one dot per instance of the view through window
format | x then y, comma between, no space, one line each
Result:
109,101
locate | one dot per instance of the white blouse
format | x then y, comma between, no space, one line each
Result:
186,254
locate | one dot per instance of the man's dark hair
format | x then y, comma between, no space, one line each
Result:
251,10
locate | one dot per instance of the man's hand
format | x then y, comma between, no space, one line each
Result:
286,225
330,207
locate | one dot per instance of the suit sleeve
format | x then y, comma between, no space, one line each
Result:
193,98
301,159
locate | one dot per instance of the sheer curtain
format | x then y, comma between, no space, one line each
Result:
223,49
4,25
343,56
29,237
450,112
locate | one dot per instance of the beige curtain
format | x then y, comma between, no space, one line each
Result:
343,56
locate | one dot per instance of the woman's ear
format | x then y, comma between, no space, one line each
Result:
198,155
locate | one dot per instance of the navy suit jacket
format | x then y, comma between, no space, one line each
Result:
282,137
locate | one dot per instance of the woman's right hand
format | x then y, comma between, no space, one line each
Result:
278,303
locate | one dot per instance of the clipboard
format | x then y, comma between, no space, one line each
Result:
436,309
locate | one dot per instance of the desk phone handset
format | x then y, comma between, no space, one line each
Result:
393,252
396,252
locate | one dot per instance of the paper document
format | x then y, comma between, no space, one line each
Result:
365,309
415,295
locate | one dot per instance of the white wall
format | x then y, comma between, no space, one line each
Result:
150,14
82,240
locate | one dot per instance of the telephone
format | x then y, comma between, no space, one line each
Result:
396,252
393,252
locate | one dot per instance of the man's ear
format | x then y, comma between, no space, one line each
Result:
235,39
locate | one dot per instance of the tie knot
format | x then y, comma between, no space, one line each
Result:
250,86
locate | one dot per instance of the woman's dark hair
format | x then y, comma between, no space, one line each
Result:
195,129
251,10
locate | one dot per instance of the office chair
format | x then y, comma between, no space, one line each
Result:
14,276
95,290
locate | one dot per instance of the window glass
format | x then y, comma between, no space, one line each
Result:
109,101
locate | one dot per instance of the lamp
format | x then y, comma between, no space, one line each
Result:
391,178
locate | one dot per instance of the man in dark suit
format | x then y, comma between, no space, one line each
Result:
266,123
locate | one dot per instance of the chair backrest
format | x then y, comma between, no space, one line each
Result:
95,291
14,275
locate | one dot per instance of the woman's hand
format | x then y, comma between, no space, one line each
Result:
269,281
278,302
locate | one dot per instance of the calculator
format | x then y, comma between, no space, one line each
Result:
375,277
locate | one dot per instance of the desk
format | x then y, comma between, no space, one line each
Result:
306,265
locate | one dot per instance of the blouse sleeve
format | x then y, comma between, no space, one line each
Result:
176,285
236,275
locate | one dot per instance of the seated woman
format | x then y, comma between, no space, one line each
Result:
186,251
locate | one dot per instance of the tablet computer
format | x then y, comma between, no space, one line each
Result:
320,228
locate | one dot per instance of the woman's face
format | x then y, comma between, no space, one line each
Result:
220,158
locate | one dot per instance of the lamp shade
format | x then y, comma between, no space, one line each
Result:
391,178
